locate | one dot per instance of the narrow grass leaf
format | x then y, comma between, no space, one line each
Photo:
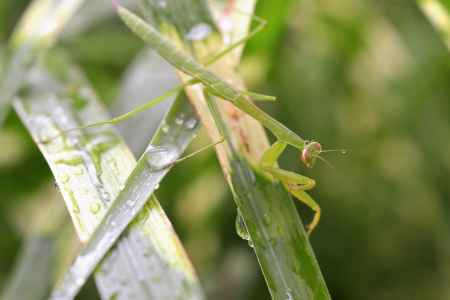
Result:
439,15
38,29
49,240
416,31
35,258
90,168
270,221
178,130
90,14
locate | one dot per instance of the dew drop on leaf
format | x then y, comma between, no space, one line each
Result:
95,208
165,128
162,3
159,158
241,229
289,295
191,123
179,121
199,32
65,178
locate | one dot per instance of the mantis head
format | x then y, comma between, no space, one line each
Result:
310,153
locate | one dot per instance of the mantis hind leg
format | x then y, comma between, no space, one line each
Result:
202,149
305,198
149,104
295,183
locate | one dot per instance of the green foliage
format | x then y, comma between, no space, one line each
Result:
354,74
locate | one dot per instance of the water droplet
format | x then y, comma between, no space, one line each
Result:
130,203
343,151
289,294
73,141
95,208
161,158
241,229
165,128
226,24
162,3
199,32
179,121
104,195
191,123
65,178
113,224
157,186
75,206
78,281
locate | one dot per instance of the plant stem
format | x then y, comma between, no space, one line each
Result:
276,233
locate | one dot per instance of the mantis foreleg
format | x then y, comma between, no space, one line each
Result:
295,183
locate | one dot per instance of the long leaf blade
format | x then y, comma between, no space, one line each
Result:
439,15
49,242
276,233
170,142
39,28
100,169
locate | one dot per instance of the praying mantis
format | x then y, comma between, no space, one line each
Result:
296,184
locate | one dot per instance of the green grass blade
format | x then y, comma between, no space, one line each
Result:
180,127
416,31
274,228
439,15
224,12
49,241
91,167
90,14
39,28
35,258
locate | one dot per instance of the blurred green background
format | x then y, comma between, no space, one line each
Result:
363,75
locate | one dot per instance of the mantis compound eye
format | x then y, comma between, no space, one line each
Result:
310,153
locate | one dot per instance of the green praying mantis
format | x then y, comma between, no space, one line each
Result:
310,151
